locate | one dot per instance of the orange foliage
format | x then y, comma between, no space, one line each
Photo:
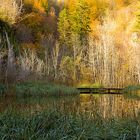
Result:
40,5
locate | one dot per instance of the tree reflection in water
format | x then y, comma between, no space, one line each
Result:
105,106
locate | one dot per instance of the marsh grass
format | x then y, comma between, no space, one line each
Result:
132,88
133,92
55,125
41,89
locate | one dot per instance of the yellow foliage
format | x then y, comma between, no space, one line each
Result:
40,5
9,11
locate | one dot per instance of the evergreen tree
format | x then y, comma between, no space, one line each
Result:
64,26
80,18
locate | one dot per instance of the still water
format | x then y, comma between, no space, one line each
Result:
107,106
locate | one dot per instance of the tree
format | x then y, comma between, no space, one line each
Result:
74,26
64,26
10,10
80,18
75,20
41,5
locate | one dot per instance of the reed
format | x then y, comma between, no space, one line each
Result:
55,125
132,88
41,89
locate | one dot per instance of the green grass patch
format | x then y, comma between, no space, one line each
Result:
132,92
132,88
54,125
31,89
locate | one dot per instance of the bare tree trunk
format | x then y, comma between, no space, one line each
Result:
11,73
77,56
74,59
55,55
107,52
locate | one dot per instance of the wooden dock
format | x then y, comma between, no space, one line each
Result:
89,90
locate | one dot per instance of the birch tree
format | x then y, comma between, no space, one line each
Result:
11,69
55,56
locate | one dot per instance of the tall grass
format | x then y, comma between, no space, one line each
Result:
133,92
31,89
132,88
54,125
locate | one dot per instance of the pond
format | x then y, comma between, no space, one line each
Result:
107,106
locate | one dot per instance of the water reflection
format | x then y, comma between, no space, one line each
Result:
106,106
111,106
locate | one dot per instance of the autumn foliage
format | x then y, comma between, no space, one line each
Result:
75,41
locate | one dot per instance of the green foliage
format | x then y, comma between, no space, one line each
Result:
64,26
80,18
55,125
74,21
45,5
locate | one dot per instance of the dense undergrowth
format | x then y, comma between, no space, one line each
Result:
54,125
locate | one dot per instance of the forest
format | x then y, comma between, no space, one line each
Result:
70,42
69,69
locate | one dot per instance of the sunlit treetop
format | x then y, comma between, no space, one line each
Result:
9,11
40,5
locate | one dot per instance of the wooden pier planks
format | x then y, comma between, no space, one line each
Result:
100,90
